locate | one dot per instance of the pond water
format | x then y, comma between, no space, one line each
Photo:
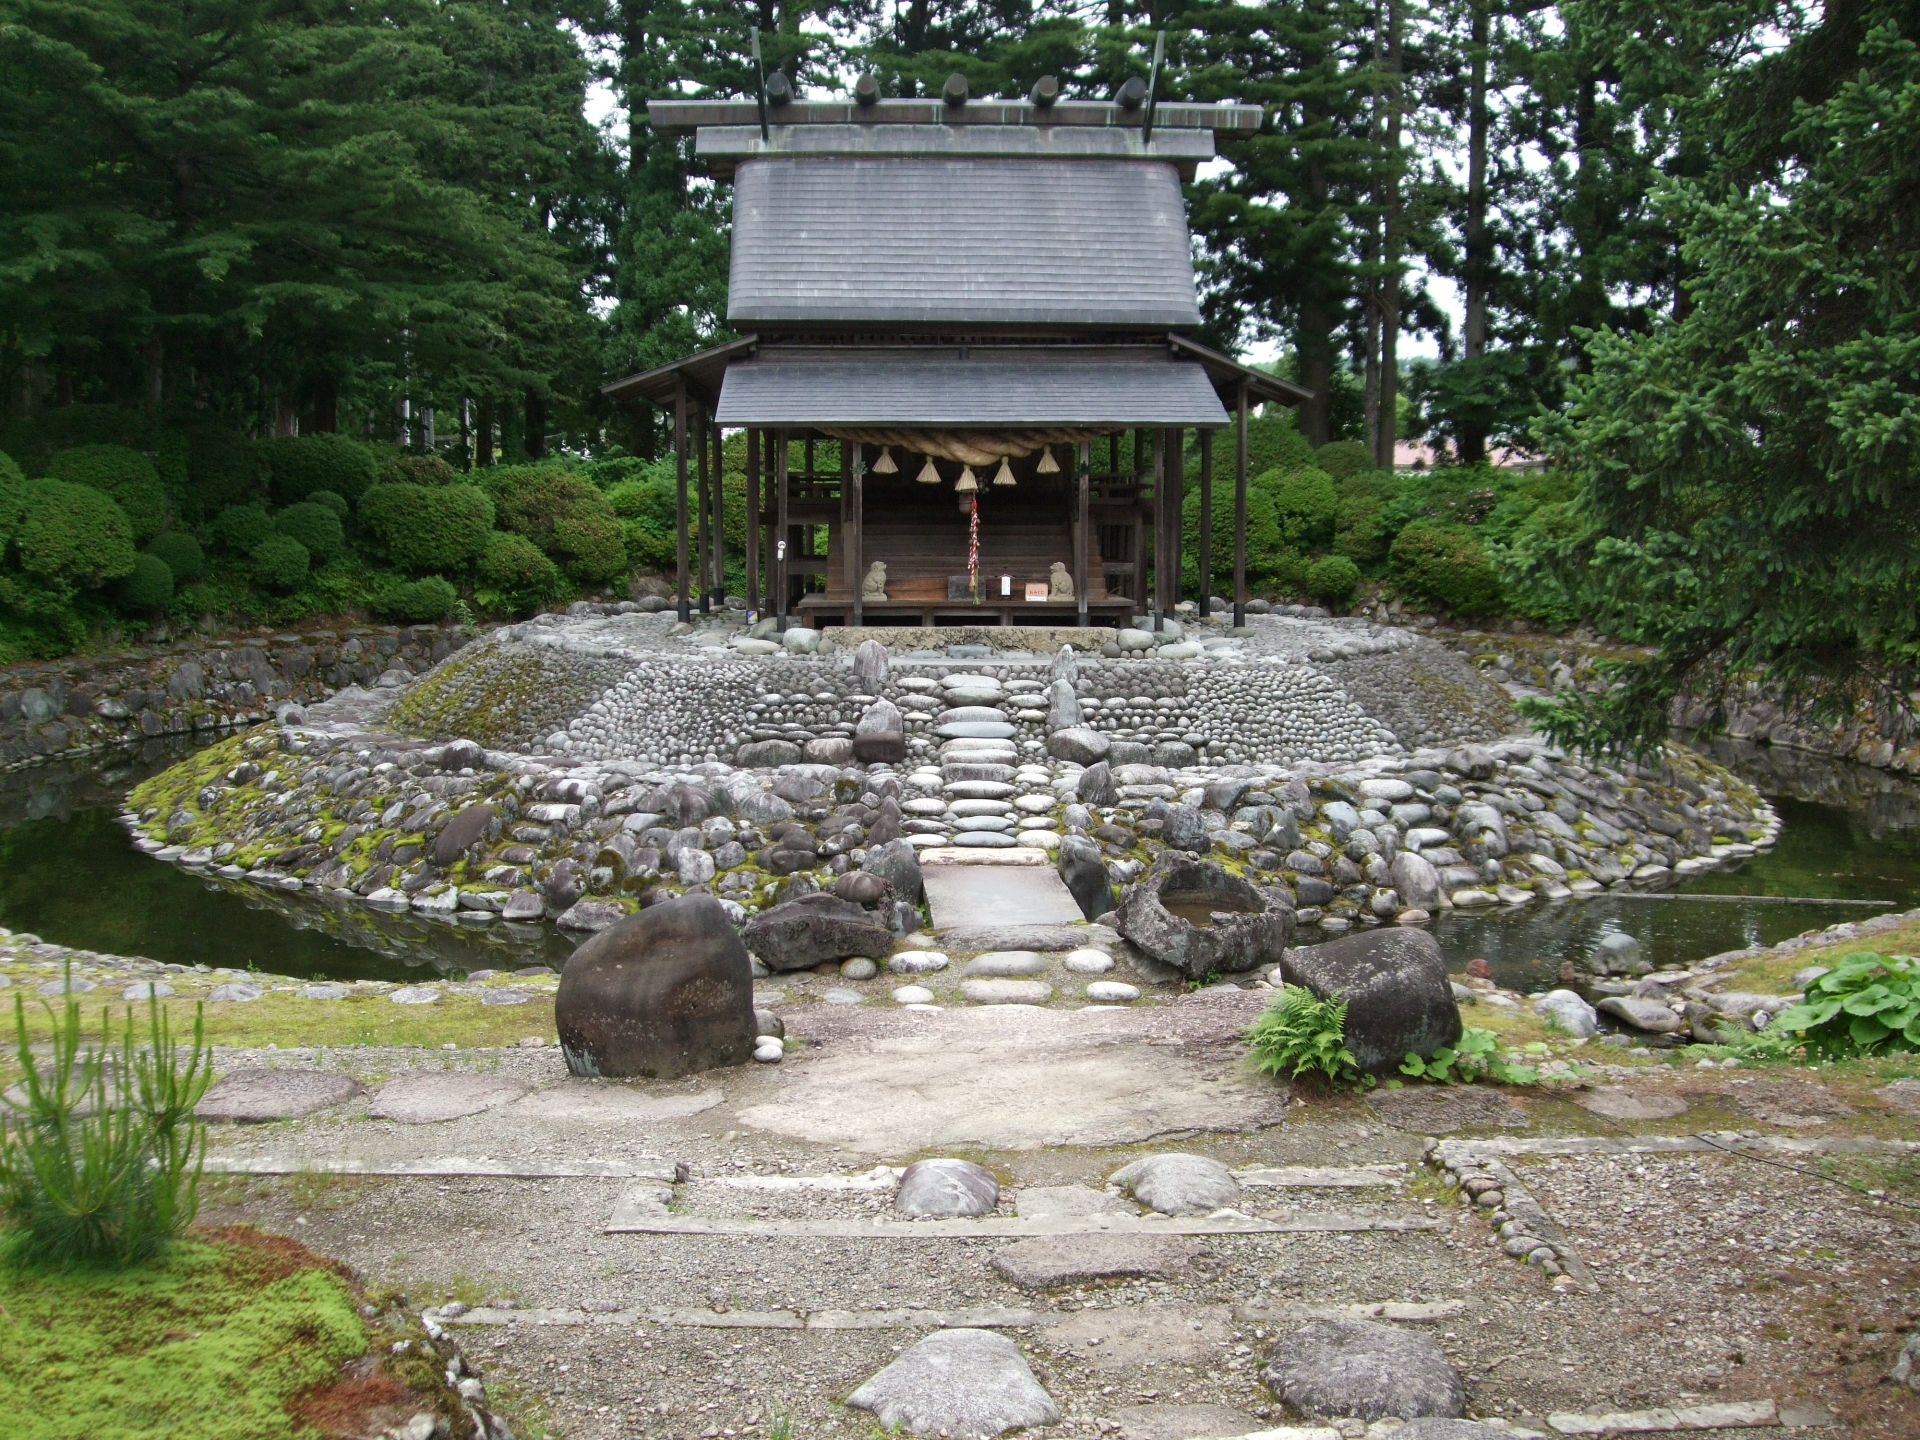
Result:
70,874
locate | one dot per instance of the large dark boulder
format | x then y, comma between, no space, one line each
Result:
1085,874
1218,924
1399,1000
663,993
898,863
1096,785
463,830
813,929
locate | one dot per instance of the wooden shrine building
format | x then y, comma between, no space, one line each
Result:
990,305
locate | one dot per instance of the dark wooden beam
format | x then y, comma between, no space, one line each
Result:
856,528
705,509
1206,523
1240,508
680,498
1176,511
753,519
1083,464
780,528
719,518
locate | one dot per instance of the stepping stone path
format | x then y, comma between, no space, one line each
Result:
1007,964
998,895
946,1189
260,1095
1440,1112
1048,1262
1617,1104
1179,1184
428,1099
965,1384
1006,992
1363,1369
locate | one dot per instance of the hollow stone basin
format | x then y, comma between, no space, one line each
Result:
1241,927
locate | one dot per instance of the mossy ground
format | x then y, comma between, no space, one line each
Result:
223,1337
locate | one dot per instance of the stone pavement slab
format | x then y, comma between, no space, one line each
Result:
426,1098
256,1096
992,895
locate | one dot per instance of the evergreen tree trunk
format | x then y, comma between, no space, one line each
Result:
1471,439
1314,345
536,437
1387,431
326,404
483,439
156,371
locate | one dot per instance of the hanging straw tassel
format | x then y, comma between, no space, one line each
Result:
928,475
1048,465
1004,475
884,465
967,483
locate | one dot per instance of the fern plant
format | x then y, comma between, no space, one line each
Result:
100,1153
1301,1034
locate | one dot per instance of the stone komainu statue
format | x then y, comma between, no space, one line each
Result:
874,586
1059,583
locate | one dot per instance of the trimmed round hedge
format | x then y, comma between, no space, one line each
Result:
280,562
314,526
1341,458
424,528
1306,504
301,464
333,500
13,498
182,554
1332,580
126,475
403,468
1445,566
241,527
513,567
588,534
417,601
73,534
223,469
148,586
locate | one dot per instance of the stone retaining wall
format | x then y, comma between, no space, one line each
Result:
93,702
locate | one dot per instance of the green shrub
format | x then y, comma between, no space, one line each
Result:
333,500
1477,1056
301,464
34,440
1300,1034
1341,458
532,498
223,469
280,562
424,528
1306,503
1540,577
415,602
73,535
314,526
1866,1005
402,467
1263,536
1332,580
241,527
148,586
182,555
126,475
13,499
1445,566
1286,571
1274,442
100,1155
1359,529
588,537
515,574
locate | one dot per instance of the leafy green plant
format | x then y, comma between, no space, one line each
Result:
280,562
148,586
1446,566
1333,579
315,526
1477,1056
1301,1033
126,475
1866,1005
415,602
182,554
100,1152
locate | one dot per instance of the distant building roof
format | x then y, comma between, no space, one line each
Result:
960,242
991,387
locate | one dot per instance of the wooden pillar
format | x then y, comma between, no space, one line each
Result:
719,519
753,519
1206,523
705,509
1176,511
1240,509
1081,539
780,528
1158,460
850,573
680,497
856,540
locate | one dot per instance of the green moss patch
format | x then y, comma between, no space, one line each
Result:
221,1337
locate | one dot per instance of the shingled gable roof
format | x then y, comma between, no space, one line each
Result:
961,242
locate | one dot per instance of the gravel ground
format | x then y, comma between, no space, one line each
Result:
1721,1278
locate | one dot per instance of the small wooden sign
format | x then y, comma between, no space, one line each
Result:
1037,591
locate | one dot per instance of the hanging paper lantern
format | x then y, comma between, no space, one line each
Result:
1004,475
967,482
1048,465
928,475
884,465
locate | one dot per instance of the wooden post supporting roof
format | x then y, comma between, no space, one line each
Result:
780,529
704,508
753,519
1240,508
719,518
1176,509
680,497
856,530
1206,523
1083,463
